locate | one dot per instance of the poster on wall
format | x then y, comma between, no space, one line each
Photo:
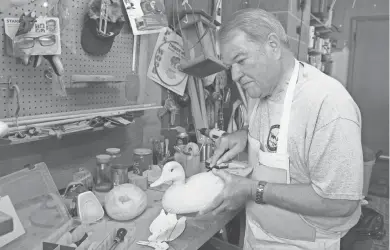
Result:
164,67
146,16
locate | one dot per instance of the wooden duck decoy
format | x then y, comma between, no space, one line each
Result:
187,196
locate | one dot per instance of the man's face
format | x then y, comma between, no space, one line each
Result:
256,67
51,26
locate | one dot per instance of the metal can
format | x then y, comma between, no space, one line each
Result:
182,139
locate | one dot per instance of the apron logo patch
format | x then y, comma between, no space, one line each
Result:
272,140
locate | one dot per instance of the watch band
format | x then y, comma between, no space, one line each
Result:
260,192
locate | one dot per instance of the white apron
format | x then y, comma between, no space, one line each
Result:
269,227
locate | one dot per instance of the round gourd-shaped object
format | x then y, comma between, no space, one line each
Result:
125,202
3,129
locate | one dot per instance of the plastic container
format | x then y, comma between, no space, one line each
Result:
44,216
38,205
103,180
142,160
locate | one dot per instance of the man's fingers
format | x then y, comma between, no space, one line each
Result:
224,175
229,155
213,205
220,209
222,146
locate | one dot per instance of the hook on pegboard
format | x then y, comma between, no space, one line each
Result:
11,89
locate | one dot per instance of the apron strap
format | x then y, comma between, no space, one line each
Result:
253,112
283,131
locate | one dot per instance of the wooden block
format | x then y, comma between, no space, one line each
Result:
7,208
6,223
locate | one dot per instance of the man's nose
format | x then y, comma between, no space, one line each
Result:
236,73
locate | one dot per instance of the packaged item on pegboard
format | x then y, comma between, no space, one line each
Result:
35,36
146,16
63,10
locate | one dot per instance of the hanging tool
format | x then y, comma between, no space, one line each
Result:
13,87
218,18
120,236
171,107
103,18
214,134
220,83
26,23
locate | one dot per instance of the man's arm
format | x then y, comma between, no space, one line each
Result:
302,199
335,165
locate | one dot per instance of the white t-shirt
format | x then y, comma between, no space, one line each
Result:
324,141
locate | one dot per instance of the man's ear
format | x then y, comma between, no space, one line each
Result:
274,46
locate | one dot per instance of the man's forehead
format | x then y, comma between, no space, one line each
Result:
235,45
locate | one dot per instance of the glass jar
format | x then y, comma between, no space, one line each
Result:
142,160
115,154
103,181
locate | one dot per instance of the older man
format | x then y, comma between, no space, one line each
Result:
303,138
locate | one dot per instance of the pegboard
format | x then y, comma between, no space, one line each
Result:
36,92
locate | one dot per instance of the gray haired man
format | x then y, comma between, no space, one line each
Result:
303,138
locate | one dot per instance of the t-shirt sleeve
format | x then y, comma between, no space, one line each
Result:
335,160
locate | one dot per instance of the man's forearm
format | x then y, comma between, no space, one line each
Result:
302,199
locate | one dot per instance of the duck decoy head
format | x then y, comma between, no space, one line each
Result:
172,171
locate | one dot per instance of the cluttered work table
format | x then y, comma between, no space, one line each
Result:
39,218
198,230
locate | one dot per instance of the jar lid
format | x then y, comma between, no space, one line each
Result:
142,151
103,158
113,151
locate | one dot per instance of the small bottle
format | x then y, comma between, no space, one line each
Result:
103,181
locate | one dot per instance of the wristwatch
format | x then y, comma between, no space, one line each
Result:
260,192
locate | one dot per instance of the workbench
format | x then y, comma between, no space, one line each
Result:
198,229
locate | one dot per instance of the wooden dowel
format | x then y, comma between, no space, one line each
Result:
202,103
87,111
60,122
195,109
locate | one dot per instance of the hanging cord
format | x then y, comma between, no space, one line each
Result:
215,6
302,6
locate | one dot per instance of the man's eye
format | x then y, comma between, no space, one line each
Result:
241,61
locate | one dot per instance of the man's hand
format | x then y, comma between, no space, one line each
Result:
228,146
237,191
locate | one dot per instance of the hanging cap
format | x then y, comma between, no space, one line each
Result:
113,151
92,40
103,159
